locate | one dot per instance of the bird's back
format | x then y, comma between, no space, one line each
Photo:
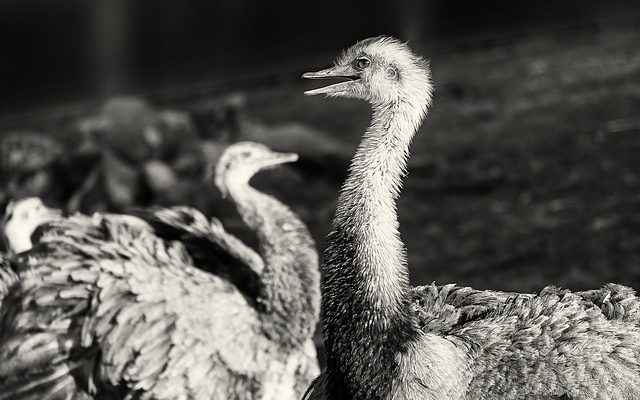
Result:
584,345
212,248
116,311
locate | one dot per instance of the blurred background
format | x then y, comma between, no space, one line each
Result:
525,174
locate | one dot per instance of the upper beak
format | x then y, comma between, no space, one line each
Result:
336,72
281,158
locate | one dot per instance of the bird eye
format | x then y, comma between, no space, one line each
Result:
362,62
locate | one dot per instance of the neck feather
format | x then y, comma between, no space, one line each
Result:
365,288
291,276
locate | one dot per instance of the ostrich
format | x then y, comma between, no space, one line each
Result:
108,308
20,221
288,257
387,340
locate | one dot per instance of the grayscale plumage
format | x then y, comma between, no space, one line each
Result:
20,221
105,307
387,340
7,277
284,278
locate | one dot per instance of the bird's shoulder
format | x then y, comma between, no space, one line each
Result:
442,308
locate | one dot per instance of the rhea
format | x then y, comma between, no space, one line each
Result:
387,340
21,219
111,306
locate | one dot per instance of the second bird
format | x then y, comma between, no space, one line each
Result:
113,307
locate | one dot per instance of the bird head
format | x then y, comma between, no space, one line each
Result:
242,160
21,219
380,70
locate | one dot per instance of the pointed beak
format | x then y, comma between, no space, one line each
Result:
338,72
281,158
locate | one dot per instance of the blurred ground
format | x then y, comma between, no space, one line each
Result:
525,174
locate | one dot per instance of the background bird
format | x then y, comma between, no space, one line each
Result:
106,306
20,221
288,284
386,340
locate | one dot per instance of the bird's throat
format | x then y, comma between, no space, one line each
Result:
366,211
290,277
365,285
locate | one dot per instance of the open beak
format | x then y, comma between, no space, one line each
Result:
338,72
279,158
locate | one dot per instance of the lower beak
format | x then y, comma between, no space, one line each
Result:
337,72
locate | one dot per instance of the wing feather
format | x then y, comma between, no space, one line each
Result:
563,341
8,276
212,248
442,307
114,318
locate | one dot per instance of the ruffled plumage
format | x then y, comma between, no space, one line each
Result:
113,306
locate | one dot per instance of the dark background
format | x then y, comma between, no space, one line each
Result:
54,50
526,172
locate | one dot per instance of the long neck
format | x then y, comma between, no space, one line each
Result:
365,286
291,277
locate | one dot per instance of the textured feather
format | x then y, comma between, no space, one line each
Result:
170,308
556,344
134,318
553,344
212,248
7,277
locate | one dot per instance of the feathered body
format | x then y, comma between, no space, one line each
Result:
20,221
386,340
106,307
7,277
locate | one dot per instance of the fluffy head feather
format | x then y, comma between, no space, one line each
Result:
381,70
20,221
242,160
